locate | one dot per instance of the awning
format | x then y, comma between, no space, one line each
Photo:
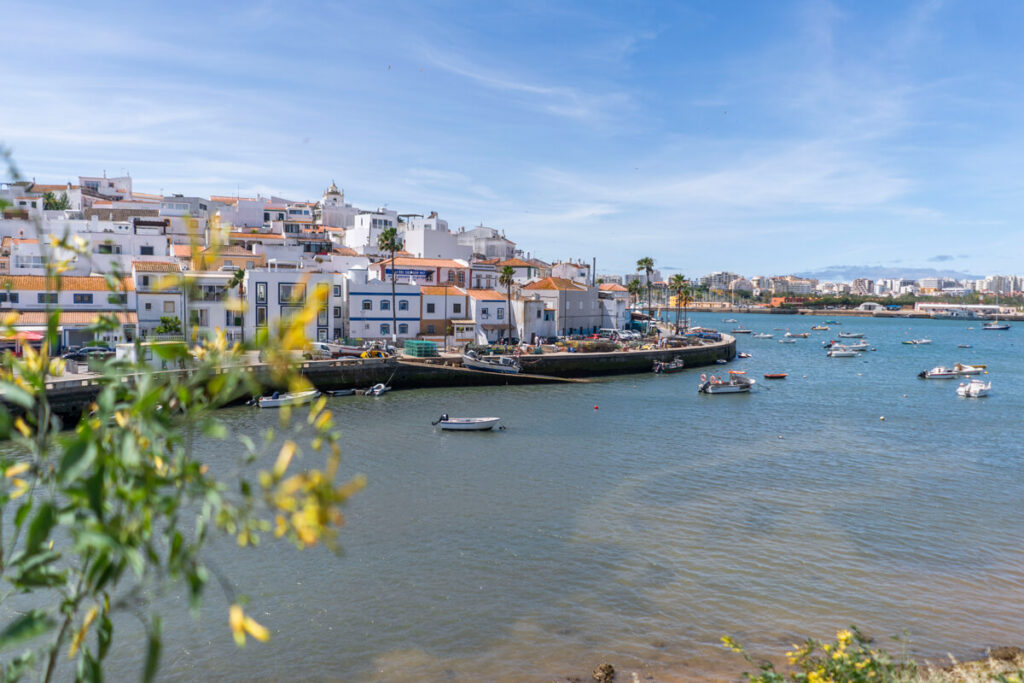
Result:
74,318
24,336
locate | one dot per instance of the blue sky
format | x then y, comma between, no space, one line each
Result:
759,137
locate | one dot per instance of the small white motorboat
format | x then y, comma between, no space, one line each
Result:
377,390
467,424
741,330
851,335
842,353
763,335
340,392
969,369
800,335
787,340
939,372
974,389
278,399
729,320
502,364
737,383
856,346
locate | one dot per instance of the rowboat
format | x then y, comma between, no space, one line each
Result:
820,327
502,364
737,383
277,399
340,392
787,340
376,390
467,424
763,335
776,375
842,353
668,367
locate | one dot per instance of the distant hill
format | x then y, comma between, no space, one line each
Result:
848,273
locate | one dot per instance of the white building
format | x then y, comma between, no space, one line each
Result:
430,238
333,211
275,294
369,307
577,310
486,242
488,309
157,296
577,272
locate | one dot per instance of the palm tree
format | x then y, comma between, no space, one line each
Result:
646,264
634,288
507,278
390,242
678,286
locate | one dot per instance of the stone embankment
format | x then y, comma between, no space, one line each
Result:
68,397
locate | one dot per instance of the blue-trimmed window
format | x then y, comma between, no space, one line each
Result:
367,305
403,328
385,328
385,305
403,305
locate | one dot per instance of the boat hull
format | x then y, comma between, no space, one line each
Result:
469,424
486,366
296,399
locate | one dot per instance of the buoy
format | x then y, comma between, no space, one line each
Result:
882,418
780,436
596,408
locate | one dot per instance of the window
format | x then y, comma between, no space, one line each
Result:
321,334
501,313
367,305
145,251
47,297
337,311
227,263
108,249
430,329
403,305
168,307
261,316
145,281
385,328
149,306
291,293
385,305
430,308
429,277
321,317
261,292
337,290
403,328
456,308
485,313
538,315
14,297
82,298
451,276
462,278
250,264
119,298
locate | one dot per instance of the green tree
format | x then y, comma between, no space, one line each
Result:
507,279
680,287
238,281
646,266
390,242
168,325
635,288
101,513
53,202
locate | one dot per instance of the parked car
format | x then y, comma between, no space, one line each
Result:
87,352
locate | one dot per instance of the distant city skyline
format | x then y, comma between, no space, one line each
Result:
762,138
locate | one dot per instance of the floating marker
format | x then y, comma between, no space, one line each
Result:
595,408
882,418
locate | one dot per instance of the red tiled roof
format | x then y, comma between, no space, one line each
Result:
517,263
68,283
612,287
155,267
435,290
485,294
559,283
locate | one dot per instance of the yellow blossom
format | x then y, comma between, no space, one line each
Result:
79,636
22,427
242,624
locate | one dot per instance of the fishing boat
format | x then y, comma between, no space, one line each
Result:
787,340
917,341
377,390
741,330
963,369
743,354
278,399
836,352
995,325
502,364
964,346
776,375
763,335
974,389
800,335
729,320
668,367
466,424
737,383
856,346
851,335
832,322
820,328
939,372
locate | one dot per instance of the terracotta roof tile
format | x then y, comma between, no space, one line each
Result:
485,294
155,267
75,317
612,287
68,283
517,263
434,290
559,283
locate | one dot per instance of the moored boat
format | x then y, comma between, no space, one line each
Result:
836,352
776,375
820,328
377,390
763,335
851,335
668,367
467,424
340,392
787,340
736,383
741,330
279,399
502,364
969,369
801,335
974,389
995,325
939,372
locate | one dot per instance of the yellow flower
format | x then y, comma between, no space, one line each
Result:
241,624
844,637
284,458
79,636
15,470
22,427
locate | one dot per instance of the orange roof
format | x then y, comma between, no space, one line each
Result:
517,263
425,262
440,291
155,267
18,240
485,294
68,283
559,283
230,200
181,250
486,262
229,250
345,251
75,317
51,188
612,287
255,235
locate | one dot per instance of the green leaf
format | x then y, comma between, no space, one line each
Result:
40,527
215,429
153,646
5,423
25,627
11,392
94,488
78,457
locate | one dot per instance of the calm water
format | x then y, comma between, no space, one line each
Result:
641,532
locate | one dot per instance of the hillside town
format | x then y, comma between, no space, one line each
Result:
242,263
